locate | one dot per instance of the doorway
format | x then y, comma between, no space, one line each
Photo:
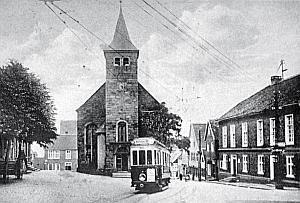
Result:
233,165
122,162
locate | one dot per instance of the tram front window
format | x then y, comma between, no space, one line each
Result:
134,157
149,157
142,157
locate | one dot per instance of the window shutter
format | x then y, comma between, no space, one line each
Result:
286,131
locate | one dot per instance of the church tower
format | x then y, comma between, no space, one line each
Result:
121,97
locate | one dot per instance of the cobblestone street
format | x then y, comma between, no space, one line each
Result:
49,186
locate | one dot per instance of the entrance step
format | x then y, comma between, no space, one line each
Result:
121,174
231,179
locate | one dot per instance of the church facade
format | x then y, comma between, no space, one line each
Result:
108,121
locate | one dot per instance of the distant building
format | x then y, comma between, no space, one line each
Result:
179,160
247,134
211,152
62,154
197,131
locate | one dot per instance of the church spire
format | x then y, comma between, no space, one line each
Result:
121,40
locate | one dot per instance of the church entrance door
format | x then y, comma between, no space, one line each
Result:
122,162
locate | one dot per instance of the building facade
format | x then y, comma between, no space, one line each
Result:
248,138
179,160
196,136
108,121
62,154
211,152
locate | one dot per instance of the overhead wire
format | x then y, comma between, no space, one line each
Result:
220,60
74,33
125,38
202,38
181,37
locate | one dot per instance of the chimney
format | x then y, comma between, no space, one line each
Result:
275,79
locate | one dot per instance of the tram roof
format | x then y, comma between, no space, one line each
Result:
145,141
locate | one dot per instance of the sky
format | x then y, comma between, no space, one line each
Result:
255,35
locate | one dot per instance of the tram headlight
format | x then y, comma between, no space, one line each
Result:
142,177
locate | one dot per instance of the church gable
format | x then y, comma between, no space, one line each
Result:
95,102
146,101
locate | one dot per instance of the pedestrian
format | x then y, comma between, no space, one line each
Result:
180,176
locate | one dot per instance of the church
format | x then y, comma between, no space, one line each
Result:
108,121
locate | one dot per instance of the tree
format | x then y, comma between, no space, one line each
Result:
183,143
26,109
160,124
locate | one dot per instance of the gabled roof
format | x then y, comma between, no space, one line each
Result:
213,127
121,40
64,142
263,100
197,127
145,100
68,127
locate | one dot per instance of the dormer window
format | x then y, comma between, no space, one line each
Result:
125,61
117,61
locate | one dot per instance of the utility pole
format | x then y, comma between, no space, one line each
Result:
279,140
199,161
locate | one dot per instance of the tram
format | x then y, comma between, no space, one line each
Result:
150,164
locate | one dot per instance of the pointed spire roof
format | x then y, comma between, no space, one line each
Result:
121,39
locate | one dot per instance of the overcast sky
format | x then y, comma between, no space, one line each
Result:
256,35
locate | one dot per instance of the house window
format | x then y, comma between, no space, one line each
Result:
207,147
117,61
232,135
272,131
260,164
289,129
68,154
245,163
68,166
224,162
53,154
126,61
224,135
289,167
244,135
260,135
122,131
212,146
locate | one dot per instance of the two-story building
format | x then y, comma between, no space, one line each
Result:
196,136
248,134
62,154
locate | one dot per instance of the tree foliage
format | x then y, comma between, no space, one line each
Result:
183,143
160,124
27,111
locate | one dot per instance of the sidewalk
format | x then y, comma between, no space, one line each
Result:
254,185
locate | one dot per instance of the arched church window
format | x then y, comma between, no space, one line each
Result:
90,133
117,61
122,131
126,61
